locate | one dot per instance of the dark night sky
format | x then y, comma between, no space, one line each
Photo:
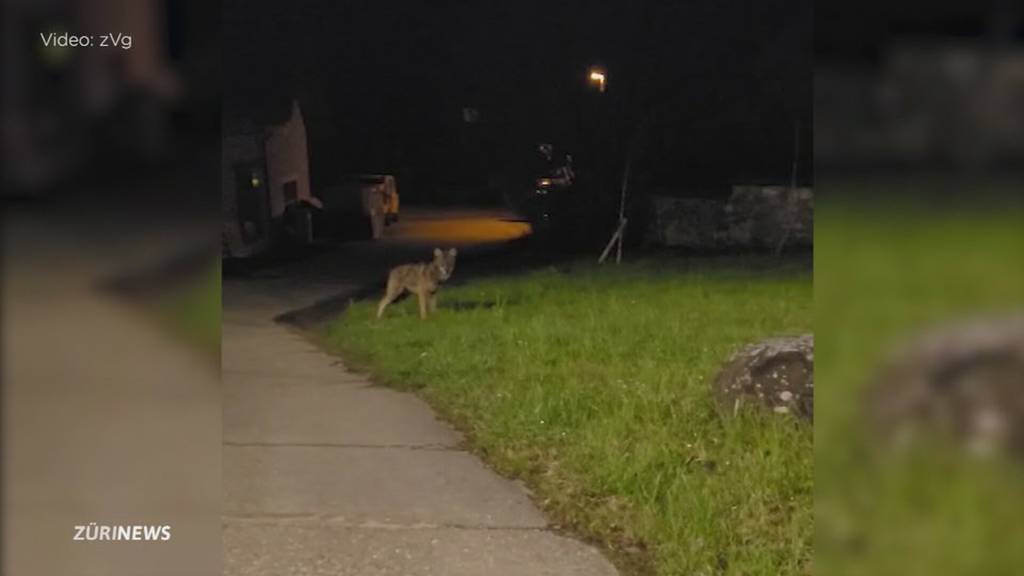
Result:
382,84
858,32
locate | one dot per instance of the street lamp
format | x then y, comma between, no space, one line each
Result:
598,78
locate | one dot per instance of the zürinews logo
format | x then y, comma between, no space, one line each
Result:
93,532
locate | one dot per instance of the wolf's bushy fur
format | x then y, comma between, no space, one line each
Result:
421,279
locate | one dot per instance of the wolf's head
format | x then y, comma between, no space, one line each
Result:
444,260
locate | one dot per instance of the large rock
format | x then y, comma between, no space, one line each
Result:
965,382
777,374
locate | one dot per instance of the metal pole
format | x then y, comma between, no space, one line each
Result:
792,191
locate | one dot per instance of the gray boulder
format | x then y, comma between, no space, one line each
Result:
965,382
777,374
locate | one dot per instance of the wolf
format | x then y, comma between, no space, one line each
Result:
421,279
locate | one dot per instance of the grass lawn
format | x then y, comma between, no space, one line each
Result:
592,384
886,270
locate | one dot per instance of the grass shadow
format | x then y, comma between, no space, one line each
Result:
462,305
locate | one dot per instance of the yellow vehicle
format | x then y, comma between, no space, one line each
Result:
390,199
363,204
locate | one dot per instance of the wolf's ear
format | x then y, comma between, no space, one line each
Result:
452,252
438,253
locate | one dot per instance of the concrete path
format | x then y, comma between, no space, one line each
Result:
107,416
325,473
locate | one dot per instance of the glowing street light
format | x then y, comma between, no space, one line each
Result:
599,78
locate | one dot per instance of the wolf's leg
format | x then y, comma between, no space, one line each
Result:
390,294
423,304
387,299
433,302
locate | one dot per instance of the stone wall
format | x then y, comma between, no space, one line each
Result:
754,217
685,222
764,216
952,103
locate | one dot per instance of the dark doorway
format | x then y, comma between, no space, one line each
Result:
253,204
291,191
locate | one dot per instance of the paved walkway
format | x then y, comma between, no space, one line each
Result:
107,416
326,474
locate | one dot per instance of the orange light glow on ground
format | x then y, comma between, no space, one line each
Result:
458,228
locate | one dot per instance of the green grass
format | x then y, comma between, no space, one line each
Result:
883,273
592,384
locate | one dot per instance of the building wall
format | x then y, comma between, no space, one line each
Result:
235,149
287,159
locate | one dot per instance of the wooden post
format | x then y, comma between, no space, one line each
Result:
618,251
620,230
617,237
